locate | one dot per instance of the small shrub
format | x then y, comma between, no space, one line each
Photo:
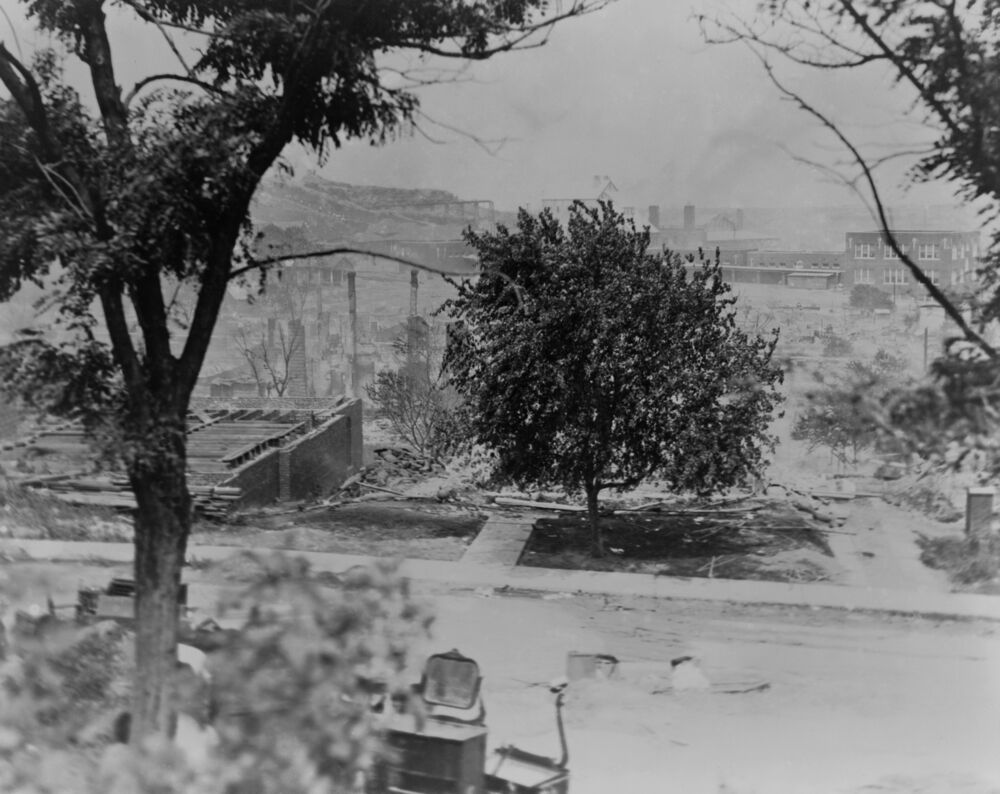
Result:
967,560
835,345
869,298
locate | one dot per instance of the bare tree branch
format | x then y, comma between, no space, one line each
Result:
13,32
273,260
869,179
146,16
492,148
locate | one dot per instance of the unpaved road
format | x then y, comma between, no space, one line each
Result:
857,702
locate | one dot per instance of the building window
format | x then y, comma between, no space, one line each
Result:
893,276
888,253
863,275
864,251
934,276
928,251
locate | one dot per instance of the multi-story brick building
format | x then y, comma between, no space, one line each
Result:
947,257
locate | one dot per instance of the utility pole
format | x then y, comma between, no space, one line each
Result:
352,355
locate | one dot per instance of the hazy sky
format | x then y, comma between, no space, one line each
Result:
631,92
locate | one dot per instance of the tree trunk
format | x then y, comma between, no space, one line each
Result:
162,525
596,541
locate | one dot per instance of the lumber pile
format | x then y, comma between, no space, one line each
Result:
211,501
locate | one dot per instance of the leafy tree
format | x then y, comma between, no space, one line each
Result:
869,298
836,420
591,363
840,416
118,210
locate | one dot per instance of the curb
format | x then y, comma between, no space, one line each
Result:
551,580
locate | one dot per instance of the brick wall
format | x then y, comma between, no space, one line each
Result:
258,479
319,462
311,466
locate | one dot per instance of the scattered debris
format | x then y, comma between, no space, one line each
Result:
590,665
686,675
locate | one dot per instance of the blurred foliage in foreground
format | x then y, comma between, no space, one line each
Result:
287,708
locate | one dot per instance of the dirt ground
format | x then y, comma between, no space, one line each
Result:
427,531
776,545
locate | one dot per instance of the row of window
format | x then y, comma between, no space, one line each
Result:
925,251
863,275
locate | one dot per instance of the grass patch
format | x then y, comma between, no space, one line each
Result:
775,547
972,563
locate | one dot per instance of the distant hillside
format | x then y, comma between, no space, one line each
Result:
335,211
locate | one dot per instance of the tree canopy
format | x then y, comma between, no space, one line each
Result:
116,200
591,363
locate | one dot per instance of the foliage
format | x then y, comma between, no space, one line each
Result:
120,203
292,691
950,418
417,399
968,560
834,345
590,363
834,420
840,416
55,687
865,296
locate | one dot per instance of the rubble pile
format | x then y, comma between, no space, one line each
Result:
397,467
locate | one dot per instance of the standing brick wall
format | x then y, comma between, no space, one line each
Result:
309,467
258,480
285,473
321,461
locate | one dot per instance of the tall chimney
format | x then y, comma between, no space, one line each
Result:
689,217
739,219
654,215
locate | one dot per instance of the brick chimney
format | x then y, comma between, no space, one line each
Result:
689,217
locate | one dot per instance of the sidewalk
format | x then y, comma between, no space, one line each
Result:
481,569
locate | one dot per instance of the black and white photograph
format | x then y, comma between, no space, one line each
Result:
499,396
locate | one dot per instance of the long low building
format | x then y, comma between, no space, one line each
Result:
241,452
